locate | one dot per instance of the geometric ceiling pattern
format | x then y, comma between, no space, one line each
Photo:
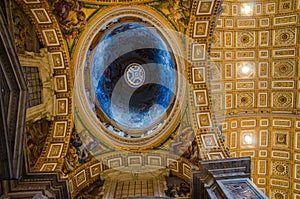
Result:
242,76
255,89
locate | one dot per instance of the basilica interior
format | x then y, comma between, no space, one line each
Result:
209,85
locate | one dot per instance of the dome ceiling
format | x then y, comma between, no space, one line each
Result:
132,79
133,76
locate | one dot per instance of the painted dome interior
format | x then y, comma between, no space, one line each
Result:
132,75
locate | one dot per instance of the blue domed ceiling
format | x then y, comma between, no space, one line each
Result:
133,76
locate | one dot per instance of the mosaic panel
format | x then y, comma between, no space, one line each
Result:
233,140
228,39
198,75
80,178
62,106
229,23
228,55
245,39
282,123
154,160
95,169
115,162
261,181
258,9
57,60
186,170
250,153
263,153
205,7
41,15
281,139
264,38
51,37
262,84
280,154
198,52
262,167
282,99
280,169
245,54
215,155
200,97
61,83
55,150
226,9
172,164
264,122
283,69
264,22
234,124
284,37
60,129
285,20
248,123
286,5
263,54
201,29
280,183
263,69
209,141
204,120
270,8
48,167
244,85
263,138
262,99
246,23
135,160
216,55
245,100
234,9
283,84
228,71
228,101
228,86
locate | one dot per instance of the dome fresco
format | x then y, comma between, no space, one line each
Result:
133,76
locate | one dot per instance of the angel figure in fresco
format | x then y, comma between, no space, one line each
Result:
77,153
70,16
182,141
70,160
178,11
178,14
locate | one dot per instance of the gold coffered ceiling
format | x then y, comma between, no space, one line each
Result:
255,89
249,86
